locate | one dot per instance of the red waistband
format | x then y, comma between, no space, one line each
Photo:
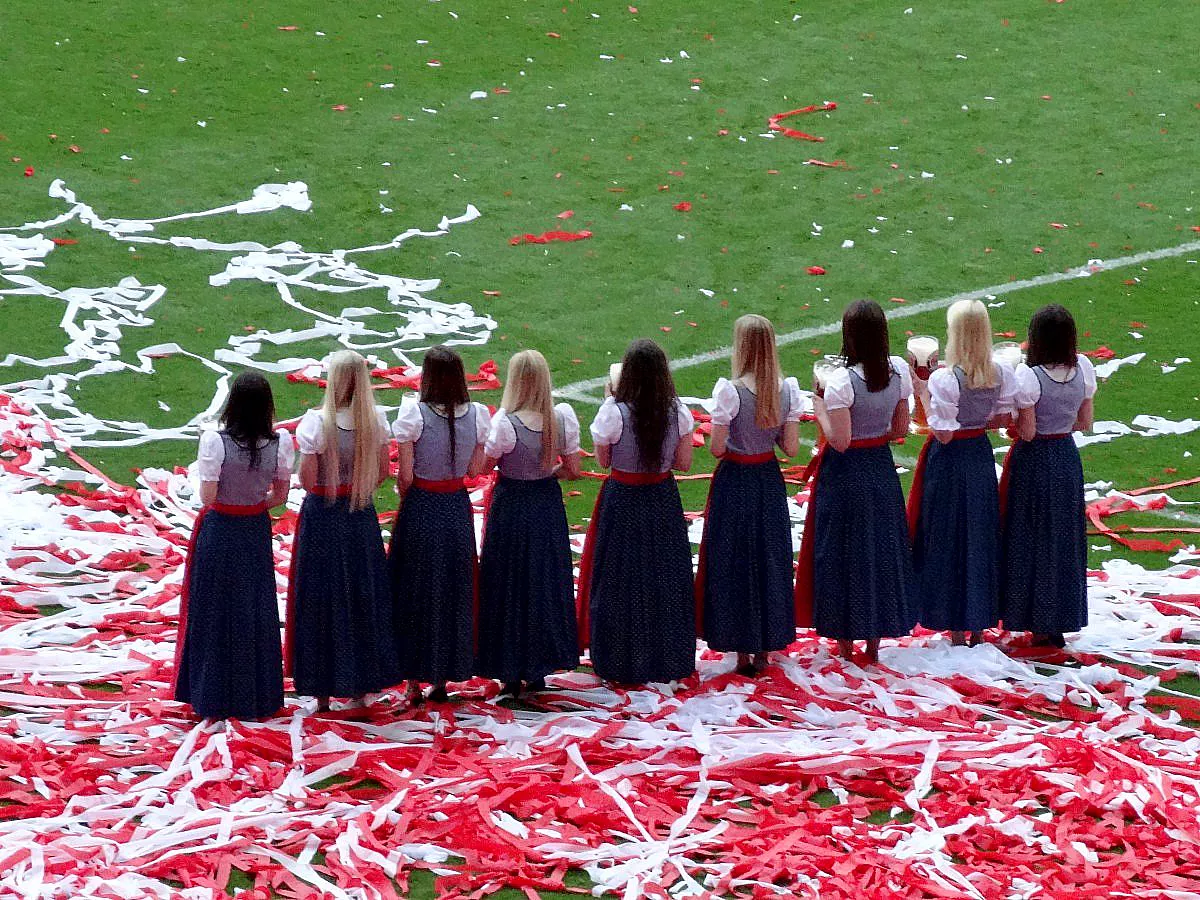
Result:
750,459
864,443
964,433
324,490
230,509
1051,437
448,486
639,477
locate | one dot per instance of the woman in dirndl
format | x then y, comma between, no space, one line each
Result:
527,626
954,504
856,565
1044,556
228,662
636,601
432,558
744,596
340,638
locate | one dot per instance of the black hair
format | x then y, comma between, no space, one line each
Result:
249,414
444,383
865,342
647,388
1052,339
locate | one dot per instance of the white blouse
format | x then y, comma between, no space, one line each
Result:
944,392
1029,389
839,392
727,401
607,426
310,433
212,455
502,437
409,424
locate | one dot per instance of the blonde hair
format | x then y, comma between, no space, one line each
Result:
528,388
754,354
969,343
348,386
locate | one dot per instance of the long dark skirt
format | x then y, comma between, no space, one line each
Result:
526,595
432,568
956,545
862,566
341,635
746,587
231,663
642,609
1044,557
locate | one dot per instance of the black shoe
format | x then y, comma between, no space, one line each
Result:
438,695
512,688
538,684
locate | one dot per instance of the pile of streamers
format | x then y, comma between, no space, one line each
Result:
396,316
947,771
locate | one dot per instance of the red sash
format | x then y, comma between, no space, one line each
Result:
742,459
449,486
586,561
342,490
804,566
917,491
227,509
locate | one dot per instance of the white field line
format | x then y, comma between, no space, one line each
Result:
582,391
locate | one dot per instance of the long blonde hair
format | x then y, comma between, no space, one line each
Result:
969,342
349,387
528,388
754,354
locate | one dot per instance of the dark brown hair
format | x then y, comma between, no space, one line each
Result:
865,342
444,384
647,388
249,413
1052,339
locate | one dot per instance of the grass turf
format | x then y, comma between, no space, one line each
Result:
1025,113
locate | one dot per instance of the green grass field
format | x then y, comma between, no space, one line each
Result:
1024,112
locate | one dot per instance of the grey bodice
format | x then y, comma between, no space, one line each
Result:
524,461
431,451
626,456
871,414
1058,405
975,405
745,436
240,485
345,459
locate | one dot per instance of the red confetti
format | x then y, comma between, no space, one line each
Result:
547,236
665,329
565,214
491,293
1101,352
683,206
836,164
896,300
64,242
1006,334
815,270
75,148
341,107
553,34
1038,250
280,28
773,121
29,171
1059,225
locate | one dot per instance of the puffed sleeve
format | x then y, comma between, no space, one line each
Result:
726,402
211,456
607,426
502,437
839,392
1028,388
409,424
570,428
793,401
943,400
286,455
1006,401
310,433
905,373
686,420
483,423
385,433
1088,371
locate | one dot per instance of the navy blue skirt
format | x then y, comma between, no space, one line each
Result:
746,589
1044,557
526,593
956,545
642,609
432,569
341,635
862,566
231,663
